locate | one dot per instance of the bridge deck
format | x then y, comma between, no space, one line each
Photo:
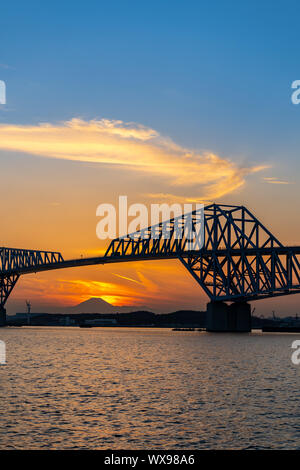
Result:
89,261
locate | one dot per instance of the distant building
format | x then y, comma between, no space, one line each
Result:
66,321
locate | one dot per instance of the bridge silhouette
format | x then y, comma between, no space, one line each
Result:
239,260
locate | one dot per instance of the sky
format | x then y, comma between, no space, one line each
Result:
160,101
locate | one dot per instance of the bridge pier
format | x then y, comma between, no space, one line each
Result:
228,318
2,316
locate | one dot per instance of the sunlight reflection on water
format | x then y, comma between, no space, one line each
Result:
125,388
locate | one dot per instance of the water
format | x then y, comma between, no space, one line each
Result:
124,388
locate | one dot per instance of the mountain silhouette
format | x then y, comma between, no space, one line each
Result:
98,305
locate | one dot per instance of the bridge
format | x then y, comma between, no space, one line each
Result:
237,260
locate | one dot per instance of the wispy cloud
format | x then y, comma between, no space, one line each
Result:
132,146
113,292
6,67
128,278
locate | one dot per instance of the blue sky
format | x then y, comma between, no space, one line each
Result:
210,74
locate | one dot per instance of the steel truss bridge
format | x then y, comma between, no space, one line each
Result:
237,258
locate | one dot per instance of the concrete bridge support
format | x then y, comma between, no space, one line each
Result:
2,316
228,318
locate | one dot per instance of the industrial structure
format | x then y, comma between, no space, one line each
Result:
237,260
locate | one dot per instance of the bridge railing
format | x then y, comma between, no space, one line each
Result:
14,259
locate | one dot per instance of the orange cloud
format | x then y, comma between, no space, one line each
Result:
159,285
131,146
127,278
